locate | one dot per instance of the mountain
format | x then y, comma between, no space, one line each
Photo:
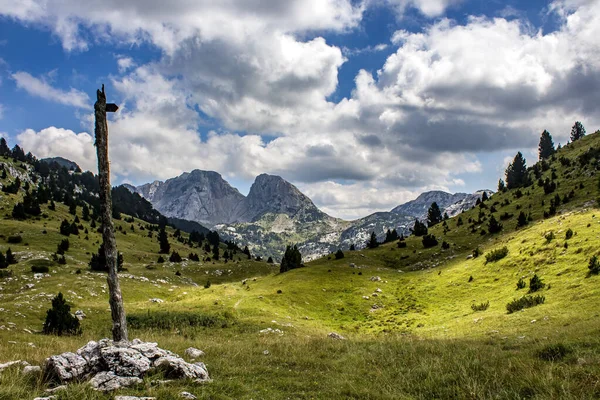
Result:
419,206
63,162
275,213
201,196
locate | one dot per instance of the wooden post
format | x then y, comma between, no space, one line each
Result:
115,300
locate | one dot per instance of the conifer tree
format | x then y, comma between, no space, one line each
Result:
493,225
434,215
516,173
577,131
546,146
419,229
59,320
501,186
163,240
292,259
373,243
4,149
10,257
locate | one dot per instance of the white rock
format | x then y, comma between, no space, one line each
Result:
108,381
155,300
31,369
187,395
134,398
194,353
336,336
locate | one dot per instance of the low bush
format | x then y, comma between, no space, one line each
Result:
524,302
429,240
594,266
496,255
521,284
553,352
535,284
339,254
40,269
481,306
569,234
15,239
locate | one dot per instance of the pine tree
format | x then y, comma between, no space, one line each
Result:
292,259
434,215
85,212
215,252
339,254
419,229
493,225
373,243
270,260
522,219
59,320
98,261
4,149
10,257
577,131
546,146
163,240
516,173
352,247
501,186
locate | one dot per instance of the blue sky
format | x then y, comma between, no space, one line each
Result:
361,104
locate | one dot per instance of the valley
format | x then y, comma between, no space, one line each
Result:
417,322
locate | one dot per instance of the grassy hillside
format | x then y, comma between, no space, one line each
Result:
406,312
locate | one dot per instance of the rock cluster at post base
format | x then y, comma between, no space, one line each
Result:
112,365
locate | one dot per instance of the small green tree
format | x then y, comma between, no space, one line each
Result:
373,243
493,225
577,131
419,229
163,240
434,215
516,173
501,186
546,146
429,240
522,219
594,266
59,320
535,284
10,257
339,254
292,259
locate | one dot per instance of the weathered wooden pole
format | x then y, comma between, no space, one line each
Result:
117,310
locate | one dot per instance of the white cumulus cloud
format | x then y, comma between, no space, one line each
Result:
40,88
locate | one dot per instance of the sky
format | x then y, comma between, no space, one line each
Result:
362,104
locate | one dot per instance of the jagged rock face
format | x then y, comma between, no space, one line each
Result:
201,196
466,204
418,208
272,194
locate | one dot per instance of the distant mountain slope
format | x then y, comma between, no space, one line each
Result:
201,196
63,162
419,206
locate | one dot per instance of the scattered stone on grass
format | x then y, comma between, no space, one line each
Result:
194,353
336,336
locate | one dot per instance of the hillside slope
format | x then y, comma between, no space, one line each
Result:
406,311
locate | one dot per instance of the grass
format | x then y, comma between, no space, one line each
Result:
407,312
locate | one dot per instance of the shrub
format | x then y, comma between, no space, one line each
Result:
339,254
522,219
160,260
471,278
549,236
553,352
175,257
207,285
476,252
569,234
496,255
63,246
535,284
524,302
521,284
62,260
65,228
98,261
594,266
5,273
481,306
401,245
15,239
445,245
429,240
40,269
59,320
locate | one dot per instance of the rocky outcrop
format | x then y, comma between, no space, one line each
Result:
201,196
418,207
113,365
